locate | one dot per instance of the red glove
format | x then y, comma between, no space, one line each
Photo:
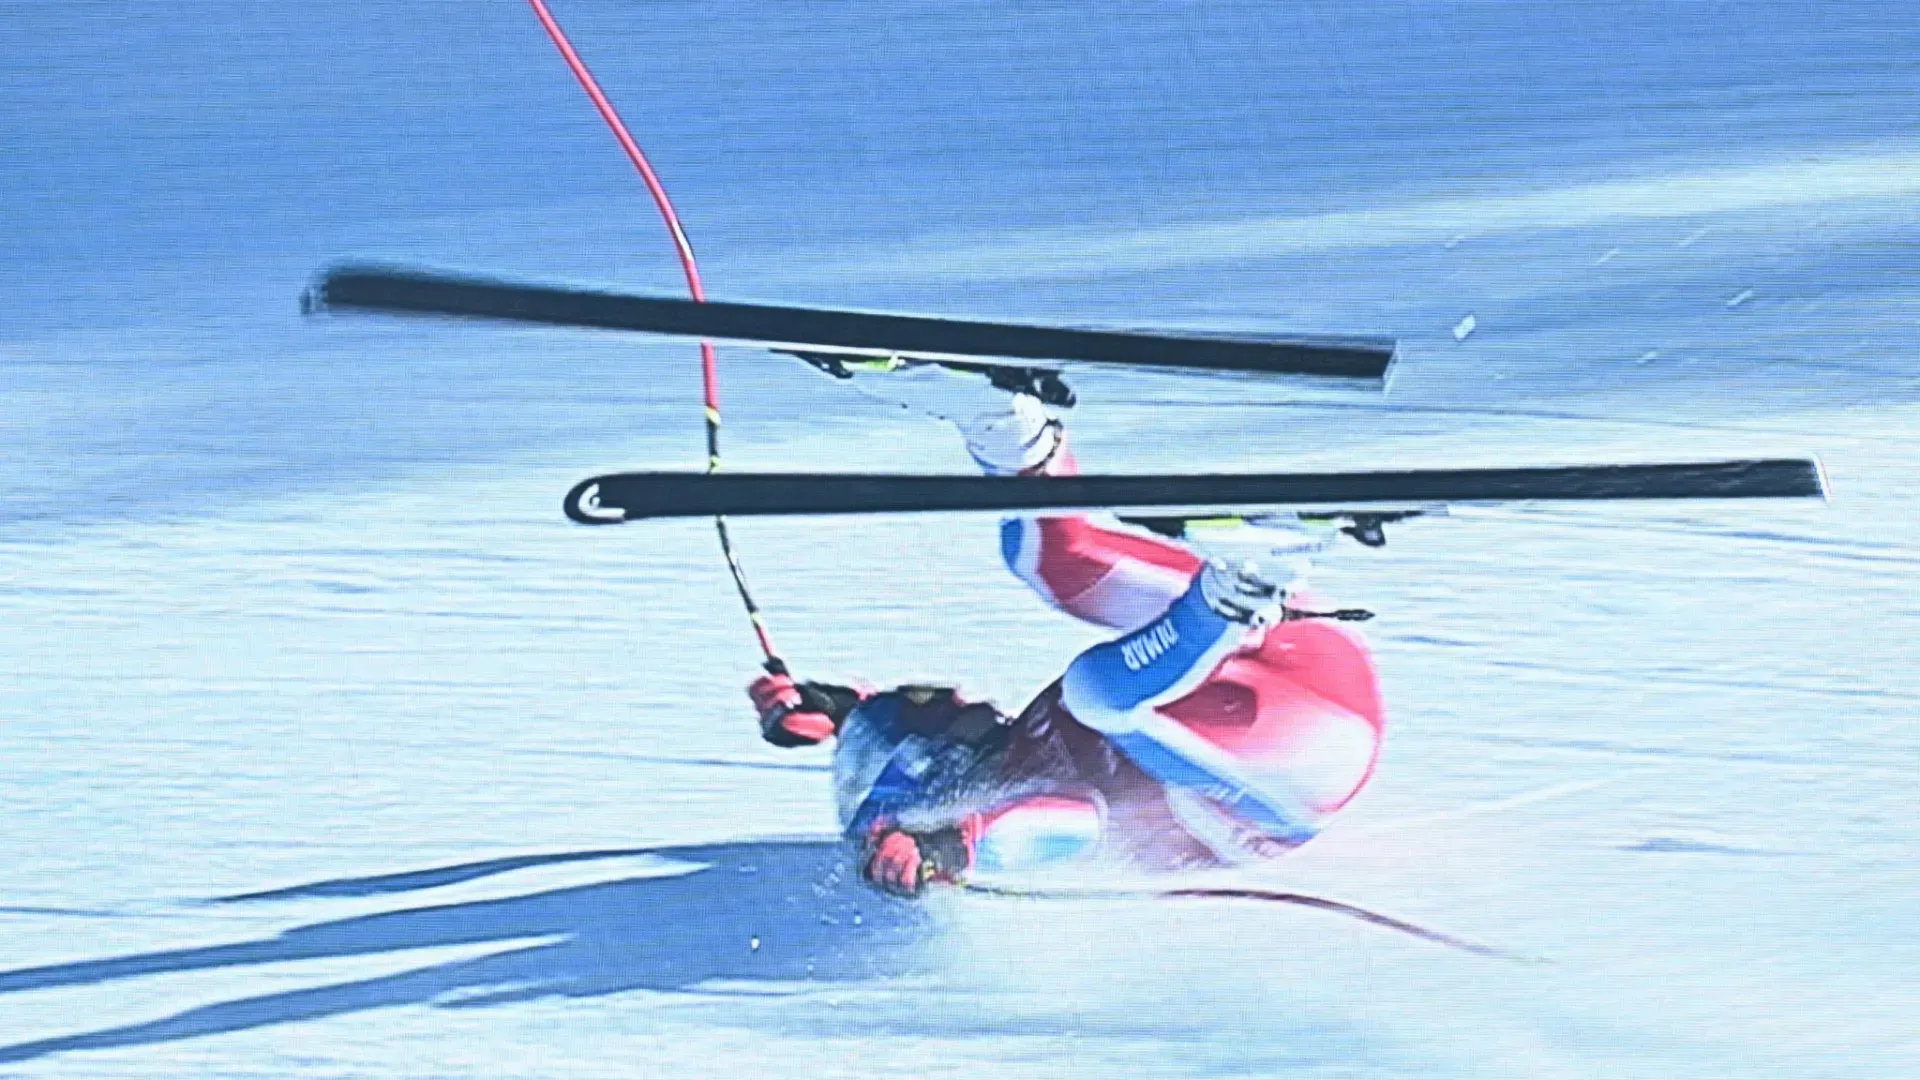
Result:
786,717
903,863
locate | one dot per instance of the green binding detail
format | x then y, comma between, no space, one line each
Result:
1225,522
890,362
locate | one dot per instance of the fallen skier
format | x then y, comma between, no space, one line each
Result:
1219,726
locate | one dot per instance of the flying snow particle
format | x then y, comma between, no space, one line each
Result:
1463,328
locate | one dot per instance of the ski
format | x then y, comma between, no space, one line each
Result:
619,497
856,332
1269,896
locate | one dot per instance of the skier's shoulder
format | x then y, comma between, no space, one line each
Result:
936,711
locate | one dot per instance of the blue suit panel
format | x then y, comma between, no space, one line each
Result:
1115,687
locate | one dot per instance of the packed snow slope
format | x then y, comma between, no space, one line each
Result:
331,749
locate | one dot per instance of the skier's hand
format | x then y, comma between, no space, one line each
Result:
787,718
894,864
903,863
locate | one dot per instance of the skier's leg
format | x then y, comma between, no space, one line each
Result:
1106,574
1115,689
1103,572
1097,568
1300,708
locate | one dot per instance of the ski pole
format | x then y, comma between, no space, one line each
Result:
709,371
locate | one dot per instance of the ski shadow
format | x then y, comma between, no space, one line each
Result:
767,913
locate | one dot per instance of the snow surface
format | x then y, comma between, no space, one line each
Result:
328,748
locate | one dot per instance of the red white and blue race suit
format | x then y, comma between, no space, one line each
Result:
1188,740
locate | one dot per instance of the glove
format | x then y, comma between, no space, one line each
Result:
801,714
785,719
902,862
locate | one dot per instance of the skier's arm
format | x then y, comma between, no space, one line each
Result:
1115,687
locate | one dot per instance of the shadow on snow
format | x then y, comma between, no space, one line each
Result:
812,922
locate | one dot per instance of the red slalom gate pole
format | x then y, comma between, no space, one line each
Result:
709,371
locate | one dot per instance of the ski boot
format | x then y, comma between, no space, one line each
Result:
1006,417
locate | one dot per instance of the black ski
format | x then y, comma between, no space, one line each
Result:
865,333
630,496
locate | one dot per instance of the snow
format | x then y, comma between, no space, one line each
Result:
329,748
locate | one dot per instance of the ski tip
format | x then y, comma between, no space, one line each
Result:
582,505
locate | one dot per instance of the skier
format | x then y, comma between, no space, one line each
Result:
1216,728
